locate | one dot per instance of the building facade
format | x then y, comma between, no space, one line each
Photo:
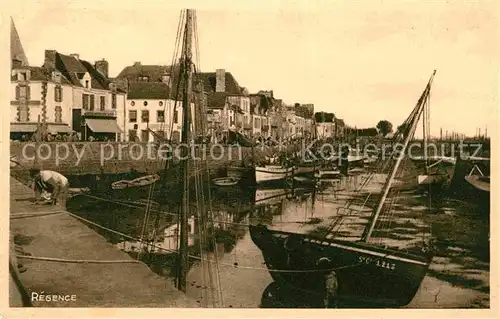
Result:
37,98
325,130
151,114
95,99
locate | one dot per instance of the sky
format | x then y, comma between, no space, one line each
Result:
363,61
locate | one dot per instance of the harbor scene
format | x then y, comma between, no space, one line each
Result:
170,186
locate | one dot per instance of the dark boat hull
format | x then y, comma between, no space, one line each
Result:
475,193
365,274
306,170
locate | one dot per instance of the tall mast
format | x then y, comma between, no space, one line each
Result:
187,68
424,141
409,136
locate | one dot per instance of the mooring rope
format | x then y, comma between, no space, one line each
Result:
81,261
211,261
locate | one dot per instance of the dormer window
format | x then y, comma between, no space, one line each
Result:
56,77
143,78
23,75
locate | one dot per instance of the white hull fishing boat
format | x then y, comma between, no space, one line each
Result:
272,173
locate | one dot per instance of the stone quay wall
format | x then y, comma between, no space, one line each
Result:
75,158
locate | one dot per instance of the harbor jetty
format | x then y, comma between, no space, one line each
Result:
69,265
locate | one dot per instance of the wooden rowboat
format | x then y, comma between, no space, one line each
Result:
225,181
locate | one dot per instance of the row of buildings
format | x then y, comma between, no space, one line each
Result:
71,96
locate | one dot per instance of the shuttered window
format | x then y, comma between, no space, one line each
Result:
92,102
58,115
85,101
58,93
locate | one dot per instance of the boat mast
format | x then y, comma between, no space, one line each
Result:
424,131
187,66
409,136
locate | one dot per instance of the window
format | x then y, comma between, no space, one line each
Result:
23,114
257,123
102,104
145,136
160,103
92,100
145,103
87,84
113,101
176,117
58,93
132,115
23,92
145,116
21,76
143,78
160,116
132,134
132,103
57,77
85,101
58,115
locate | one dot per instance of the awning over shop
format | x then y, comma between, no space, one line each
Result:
103,125
23,128
54,129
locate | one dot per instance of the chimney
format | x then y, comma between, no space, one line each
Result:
50,59
16,64
102,67
165,78
75,55
137,63
220,80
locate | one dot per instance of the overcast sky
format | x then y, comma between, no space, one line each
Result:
364,61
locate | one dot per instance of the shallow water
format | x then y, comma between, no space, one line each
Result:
232,272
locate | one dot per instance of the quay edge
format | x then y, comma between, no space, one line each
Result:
94,285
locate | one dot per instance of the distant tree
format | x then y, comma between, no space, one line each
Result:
384,127
402,128
322,117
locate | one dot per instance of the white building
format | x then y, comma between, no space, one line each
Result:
325,129
27,108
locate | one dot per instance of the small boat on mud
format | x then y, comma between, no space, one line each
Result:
477,185
135,183
225,181
481,183
328,174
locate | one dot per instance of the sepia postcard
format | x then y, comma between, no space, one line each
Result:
272,158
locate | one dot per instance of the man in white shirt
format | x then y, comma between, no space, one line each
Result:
52,182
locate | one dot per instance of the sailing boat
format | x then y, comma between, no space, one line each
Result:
363,271
479,183
471,179
437,168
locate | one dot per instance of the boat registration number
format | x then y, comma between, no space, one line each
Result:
377,262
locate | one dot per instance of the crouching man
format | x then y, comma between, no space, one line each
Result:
54,183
